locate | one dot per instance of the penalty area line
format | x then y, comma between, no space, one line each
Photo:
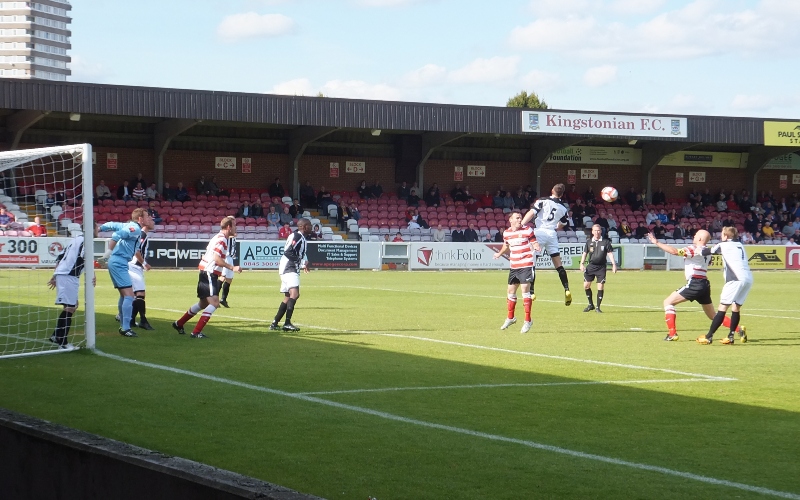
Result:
466,432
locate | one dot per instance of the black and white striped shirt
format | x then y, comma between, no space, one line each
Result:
294,254
232,247
141,246
70,261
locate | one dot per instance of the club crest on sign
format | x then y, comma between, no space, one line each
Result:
676,127
533,121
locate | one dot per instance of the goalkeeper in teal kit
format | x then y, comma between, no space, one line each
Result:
120,251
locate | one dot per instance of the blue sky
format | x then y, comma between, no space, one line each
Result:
709,57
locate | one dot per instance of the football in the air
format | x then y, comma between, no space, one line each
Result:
609,194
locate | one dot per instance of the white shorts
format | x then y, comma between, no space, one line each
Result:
228,273
548,240
289,280
734,292
137,277
67,289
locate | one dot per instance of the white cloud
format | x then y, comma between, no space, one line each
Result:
358,89
700,28
298,86
252,25
600,75
555,7
482,70
541,80
430,74
632,7
388,3
756,102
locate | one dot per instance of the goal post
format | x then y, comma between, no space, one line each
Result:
53,185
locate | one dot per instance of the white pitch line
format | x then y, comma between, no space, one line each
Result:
496,349
561,358
467,432
502,297
494,386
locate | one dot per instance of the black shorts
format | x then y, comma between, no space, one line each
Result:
696,291
595,271
520,276
207,285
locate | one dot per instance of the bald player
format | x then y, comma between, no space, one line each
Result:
697,287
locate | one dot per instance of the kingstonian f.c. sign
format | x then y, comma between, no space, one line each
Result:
543,121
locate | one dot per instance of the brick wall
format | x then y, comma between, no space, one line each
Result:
188,166
510,175
621,177
317,170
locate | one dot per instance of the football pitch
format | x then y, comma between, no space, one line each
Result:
401,385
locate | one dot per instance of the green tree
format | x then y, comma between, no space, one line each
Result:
526,100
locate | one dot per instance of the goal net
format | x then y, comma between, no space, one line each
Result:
45,203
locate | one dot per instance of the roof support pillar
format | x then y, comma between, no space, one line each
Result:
299,140
19,122
757,159
431,141
163,134
652,154
541,149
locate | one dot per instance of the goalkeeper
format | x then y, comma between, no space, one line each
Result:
120,251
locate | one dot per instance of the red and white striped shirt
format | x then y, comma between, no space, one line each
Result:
519,243
217,246
695,264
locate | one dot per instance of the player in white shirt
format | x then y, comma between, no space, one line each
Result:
697,287
551,215
66,281
738,281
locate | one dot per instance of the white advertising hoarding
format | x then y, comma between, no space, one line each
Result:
260,254
425,255
27,251
543,121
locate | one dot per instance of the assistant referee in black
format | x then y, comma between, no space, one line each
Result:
598,249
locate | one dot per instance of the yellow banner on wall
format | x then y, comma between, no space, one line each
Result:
781,133
758,257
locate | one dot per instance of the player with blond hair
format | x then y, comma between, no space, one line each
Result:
120,251
208,283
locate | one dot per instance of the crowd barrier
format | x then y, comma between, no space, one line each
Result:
417,256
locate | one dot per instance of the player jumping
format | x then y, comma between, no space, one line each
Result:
551,215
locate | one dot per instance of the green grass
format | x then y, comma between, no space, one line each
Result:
490,398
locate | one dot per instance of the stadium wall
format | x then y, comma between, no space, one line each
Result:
45,460
187,166
265,255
